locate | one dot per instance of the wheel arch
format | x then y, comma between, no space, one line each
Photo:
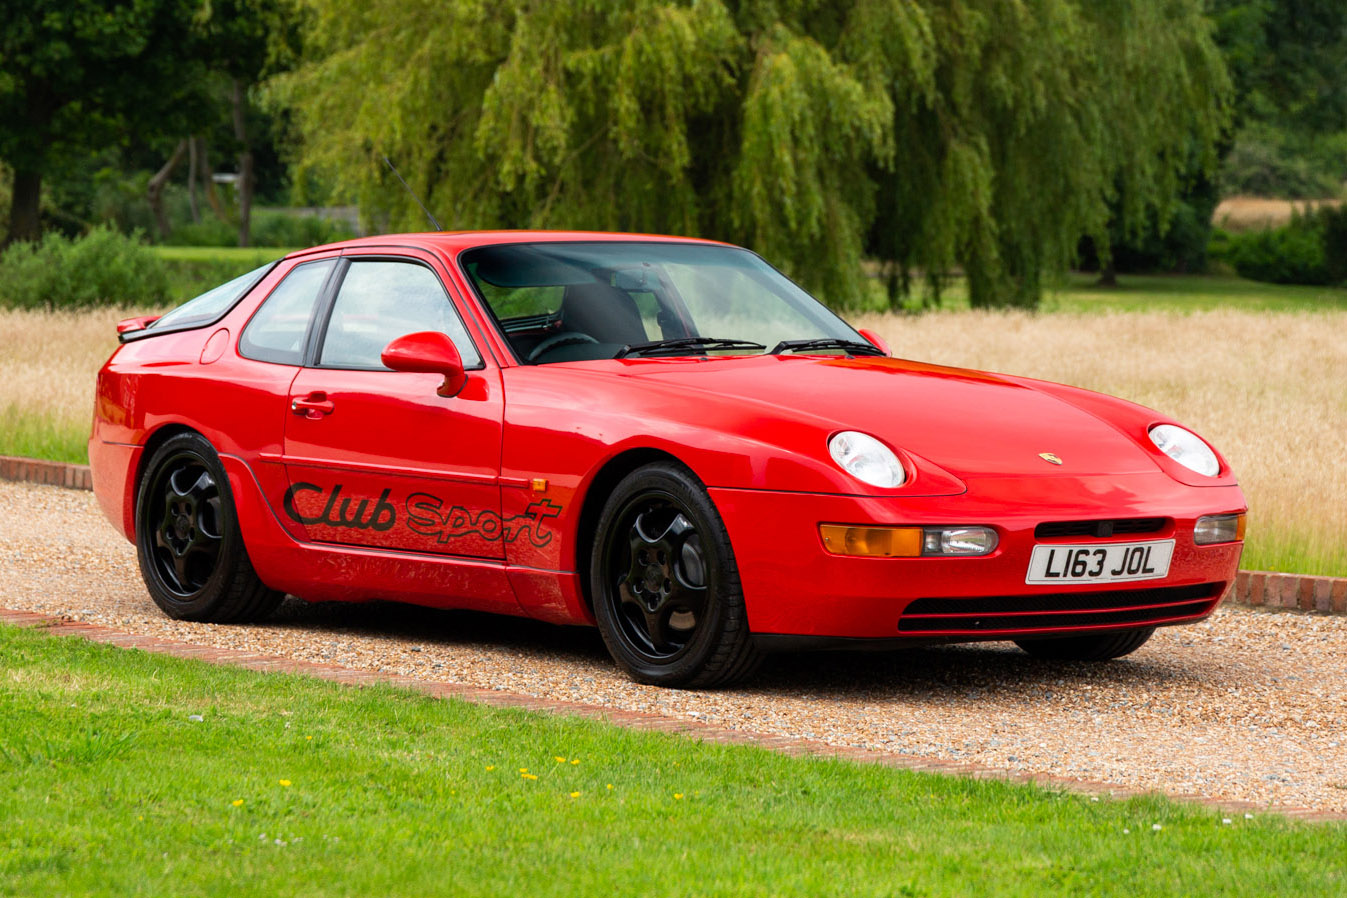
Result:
156,439
600,488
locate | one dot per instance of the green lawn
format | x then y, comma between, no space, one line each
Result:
31,436
1157,292
243,255
1080,293
287,785
192,270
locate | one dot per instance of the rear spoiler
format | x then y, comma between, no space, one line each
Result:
128,326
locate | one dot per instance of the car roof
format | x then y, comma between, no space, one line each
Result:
454,242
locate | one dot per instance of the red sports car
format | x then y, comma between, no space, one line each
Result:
664,437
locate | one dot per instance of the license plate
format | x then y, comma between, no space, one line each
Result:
1100,563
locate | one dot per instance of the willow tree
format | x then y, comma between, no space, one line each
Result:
928,135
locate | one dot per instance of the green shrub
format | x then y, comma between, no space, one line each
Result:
1268,161
270,228
210,231
278,229
190,277
1335,243
100,268
1293,254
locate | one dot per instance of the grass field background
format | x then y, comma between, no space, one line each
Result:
128,773
1244,364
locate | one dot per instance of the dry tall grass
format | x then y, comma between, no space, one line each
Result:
1257,213
1269,390
48,361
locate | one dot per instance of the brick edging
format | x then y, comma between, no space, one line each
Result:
636,720
56,473
1259,589
1269,589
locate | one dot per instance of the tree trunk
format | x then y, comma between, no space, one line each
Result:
1108,274
212,197
245,182
154,191
25,207
193,172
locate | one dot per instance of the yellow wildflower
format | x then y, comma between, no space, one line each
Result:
575,761
678,795
575,795
610,785
559,760
490,766
285,782
529,776
238,802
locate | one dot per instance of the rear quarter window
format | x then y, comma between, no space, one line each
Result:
210,306
277,331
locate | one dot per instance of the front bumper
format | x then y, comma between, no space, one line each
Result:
792,586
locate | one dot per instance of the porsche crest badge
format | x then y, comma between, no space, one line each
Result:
1050,458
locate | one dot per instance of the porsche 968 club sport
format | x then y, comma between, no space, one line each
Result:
663,437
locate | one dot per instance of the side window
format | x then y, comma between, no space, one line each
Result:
276,332
380,301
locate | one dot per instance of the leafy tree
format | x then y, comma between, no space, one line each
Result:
247,41
78,74
1286,58
930,134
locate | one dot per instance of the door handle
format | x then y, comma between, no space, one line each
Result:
314,405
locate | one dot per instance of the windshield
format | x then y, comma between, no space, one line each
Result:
560,302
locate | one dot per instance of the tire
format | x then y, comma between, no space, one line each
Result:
188,542
1104,647
665,584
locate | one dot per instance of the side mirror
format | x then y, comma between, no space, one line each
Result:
428,352
876,341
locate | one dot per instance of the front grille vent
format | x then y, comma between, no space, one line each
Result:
1099,529
1052,611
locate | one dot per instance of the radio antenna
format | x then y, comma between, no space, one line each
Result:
413,193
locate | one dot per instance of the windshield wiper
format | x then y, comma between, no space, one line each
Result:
852,347
677,345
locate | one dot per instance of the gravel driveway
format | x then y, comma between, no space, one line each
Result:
1248,706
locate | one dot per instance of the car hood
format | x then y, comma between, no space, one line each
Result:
968,422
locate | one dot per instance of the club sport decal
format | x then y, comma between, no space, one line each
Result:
382,517
426,515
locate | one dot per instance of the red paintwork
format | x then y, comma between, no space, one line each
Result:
457,479
128,325
876,340
428,352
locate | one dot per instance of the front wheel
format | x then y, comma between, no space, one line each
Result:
188,541
665,584
1104,647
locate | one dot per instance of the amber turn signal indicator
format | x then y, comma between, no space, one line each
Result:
879,542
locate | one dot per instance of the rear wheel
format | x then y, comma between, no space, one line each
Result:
188,542
1103,647
665,585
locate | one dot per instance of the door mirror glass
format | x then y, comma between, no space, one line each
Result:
427,352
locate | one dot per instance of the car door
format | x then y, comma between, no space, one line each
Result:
376,457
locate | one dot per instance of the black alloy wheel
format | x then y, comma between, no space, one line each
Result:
188,543
665,585
187,538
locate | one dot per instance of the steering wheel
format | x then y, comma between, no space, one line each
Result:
565,338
